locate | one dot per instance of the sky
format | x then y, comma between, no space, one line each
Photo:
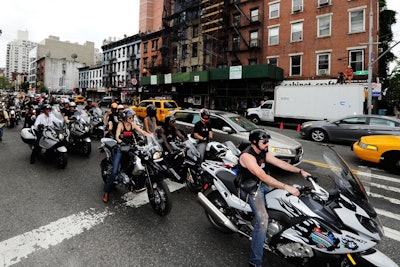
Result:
76,21
79,21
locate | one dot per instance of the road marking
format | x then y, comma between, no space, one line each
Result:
17,248
392,200
393,234
13,250
388,214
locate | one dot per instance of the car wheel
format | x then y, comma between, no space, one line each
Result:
255,119
391,161
318,135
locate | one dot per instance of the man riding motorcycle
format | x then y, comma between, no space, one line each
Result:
255,181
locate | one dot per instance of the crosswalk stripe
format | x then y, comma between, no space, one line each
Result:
392,200
391,233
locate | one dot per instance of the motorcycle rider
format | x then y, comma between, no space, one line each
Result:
202,132
70,112
169,132
124,128
4,120
111,119
44,119
255,181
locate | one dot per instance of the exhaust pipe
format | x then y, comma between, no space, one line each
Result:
215,213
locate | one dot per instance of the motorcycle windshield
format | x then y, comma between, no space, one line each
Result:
345,181
81,116
192,149
152,144
59,122
97,111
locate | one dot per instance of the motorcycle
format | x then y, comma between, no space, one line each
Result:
140,165
79,129
336,226
12,113
52,141
97,122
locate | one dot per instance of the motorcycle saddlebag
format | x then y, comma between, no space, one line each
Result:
27,136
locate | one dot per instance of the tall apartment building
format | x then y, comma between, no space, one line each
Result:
202,44
17,58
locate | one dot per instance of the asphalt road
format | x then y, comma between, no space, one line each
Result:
53,217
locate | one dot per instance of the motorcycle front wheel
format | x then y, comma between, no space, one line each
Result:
160,197
62,160
87,149
106,167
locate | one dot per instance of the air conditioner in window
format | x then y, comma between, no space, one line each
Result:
323,2
297,8
322,72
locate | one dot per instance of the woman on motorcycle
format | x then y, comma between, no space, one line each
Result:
150,121
125,131
255,182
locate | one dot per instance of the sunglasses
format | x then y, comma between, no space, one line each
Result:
172,121
130,118
265,141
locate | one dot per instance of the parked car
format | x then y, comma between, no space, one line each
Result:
79,99
350,128
381,149
228,126
164,108
106,101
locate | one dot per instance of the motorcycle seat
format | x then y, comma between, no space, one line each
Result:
228,179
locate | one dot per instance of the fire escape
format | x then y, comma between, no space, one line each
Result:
213,29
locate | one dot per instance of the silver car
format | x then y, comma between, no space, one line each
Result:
350,128
228,126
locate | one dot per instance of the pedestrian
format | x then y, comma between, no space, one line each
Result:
348,73
255,181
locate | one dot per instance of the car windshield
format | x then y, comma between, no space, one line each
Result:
169,105
241,124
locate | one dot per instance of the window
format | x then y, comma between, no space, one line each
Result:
274,10
236,43
295,65
145,45
194,50
357,60
323,61
254,16
154,45
273,36
217,123
323,3
252,61
254,39
273,61
184,50
297,31
324,26
381,122
195,31
236,20
357,21
297,6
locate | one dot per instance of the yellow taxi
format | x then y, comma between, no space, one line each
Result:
381,149
79,99
164,108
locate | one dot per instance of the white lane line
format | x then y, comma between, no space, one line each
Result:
377,176
392,234
388,214
392,200
386,187
13,250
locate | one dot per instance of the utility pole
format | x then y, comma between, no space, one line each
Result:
369,101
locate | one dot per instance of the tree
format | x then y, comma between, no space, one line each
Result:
4,83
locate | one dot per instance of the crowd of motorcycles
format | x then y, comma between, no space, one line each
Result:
325,226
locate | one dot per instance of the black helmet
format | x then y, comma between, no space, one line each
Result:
257,135
204,115
47,106
168,119
89,100
151,110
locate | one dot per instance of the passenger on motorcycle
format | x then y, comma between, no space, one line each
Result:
111,120
125,129
4,120
120,111
169,132
255,181
150,121
44,119
202,132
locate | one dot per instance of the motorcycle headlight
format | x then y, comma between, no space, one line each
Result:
86,129
61,136
157,155
280,150
374,226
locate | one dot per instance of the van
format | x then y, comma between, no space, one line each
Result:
164,108
106,101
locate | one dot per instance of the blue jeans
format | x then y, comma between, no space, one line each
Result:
110,180
258,206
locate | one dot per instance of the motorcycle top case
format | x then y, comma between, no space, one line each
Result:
27,136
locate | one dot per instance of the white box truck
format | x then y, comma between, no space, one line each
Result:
310,102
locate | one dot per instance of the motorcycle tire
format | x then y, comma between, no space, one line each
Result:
194,183
62,160
106,167
160,197
217,200
87,149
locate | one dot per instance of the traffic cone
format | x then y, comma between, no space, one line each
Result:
281,126
298,127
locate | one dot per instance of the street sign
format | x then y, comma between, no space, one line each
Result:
361,72
133,81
